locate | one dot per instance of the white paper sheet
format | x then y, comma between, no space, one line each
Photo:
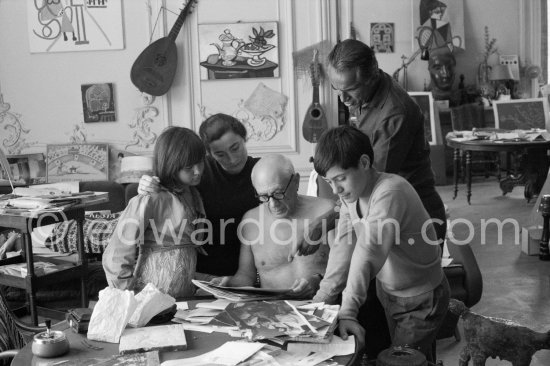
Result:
336,347
229,354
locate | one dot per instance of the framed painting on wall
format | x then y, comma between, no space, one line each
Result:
425,101
77,162
238,50
382,37
522,114
98,102
76,25
441,23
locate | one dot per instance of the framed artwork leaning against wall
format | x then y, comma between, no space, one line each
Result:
77,162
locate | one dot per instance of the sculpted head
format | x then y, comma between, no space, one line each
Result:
442,65
276,184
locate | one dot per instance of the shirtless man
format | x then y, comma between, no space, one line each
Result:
269,232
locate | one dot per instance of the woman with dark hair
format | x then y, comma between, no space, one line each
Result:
165,225
226,190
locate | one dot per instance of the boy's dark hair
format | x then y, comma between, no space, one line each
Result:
217,125
175,149
341,146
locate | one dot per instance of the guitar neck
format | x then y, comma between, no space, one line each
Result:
179,22
316,93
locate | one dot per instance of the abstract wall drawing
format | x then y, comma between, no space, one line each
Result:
142,135
382,36
98,102
239,50
74,25
441,23
12,128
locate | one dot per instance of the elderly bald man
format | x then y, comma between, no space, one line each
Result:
270,232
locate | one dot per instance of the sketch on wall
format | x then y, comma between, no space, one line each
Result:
79,162
74,25
382,37
441,24
238,50
14,131
98,102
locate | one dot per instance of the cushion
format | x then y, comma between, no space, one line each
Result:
98,228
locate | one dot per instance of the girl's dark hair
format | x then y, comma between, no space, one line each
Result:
175,149
341,146
217,125
351,54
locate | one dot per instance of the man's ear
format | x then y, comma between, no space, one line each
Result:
364,161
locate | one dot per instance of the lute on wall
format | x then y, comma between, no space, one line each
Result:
154,70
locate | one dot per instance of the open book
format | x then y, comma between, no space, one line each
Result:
239,294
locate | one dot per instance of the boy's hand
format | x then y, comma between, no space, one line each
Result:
352,327
148,185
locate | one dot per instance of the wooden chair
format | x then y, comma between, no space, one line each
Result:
14,334
465,118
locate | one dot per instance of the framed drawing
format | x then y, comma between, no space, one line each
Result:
76,25
425,101
98,102
77,162
522,114
239,50
382,37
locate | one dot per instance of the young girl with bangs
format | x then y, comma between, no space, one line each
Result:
158,235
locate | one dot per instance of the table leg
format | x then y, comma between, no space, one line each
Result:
468,175
455,169
31,278
83,263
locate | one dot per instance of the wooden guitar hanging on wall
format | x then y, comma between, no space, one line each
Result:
315,121
154,70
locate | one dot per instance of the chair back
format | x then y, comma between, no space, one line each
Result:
14,334
467,117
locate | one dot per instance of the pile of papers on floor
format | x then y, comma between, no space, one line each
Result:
278,320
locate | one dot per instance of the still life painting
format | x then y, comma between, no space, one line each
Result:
74,25
77,162
239,50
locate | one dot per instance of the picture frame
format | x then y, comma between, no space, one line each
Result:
27,169
425,101
98,102
77,162
522,114
239,50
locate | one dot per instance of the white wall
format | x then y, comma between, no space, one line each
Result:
43,89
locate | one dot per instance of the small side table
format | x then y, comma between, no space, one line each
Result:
25,224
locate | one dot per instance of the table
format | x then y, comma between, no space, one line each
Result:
531,173
239,70
197,343
25,224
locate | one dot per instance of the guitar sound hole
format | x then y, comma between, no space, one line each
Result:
160,60
315,113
